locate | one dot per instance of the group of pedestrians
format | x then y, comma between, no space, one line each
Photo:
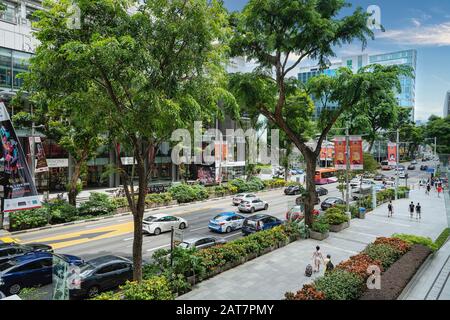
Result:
317,259
437,184
412,208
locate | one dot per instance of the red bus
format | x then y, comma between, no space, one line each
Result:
326,176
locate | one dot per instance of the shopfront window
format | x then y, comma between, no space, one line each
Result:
21,62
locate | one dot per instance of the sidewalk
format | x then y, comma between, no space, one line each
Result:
270,276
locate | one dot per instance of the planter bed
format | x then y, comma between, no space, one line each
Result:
339,227
318,236
396,278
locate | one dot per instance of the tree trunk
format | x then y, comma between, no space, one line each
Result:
311,195
73,183
138,216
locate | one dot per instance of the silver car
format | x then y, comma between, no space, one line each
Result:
201,242
237,199
158,223
253,205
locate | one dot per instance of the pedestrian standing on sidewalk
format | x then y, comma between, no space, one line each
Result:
390,209
317,259
418,211
411,209
439,190
428,189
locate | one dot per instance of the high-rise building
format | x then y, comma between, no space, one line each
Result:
447,104
406,98
16,42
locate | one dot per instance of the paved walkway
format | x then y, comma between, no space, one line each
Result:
270,276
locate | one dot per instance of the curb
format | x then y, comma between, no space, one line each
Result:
122,214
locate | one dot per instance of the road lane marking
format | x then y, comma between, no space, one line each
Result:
160,247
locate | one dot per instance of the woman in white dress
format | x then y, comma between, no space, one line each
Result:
317,259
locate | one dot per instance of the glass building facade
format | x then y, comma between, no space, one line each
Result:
12,63
407,96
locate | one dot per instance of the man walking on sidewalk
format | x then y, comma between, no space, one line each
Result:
390,209
418,211
428,189
411,210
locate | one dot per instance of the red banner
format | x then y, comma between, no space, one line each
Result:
392,154
356,153
339,153
326,153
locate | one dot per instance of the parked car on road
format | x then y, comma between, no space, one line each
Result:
379,177
101,274
414,162
253,205
226,222
237,199
321,191
13,250
361,192
29,270
331,202
201,242
293,190
296,213
259,222
423,168
157,223
411,167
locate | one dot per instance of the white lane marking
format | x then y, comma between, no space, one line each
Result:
197,229
160,247
232,235
128,239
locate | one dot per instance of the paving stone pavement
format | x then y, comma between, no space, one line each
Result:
270,276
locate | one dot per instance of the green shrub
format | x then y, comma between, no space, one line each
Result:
340,285
120,202
200,192
108,295
185,193
220,190
384,253
156,288
61,211
440,241
28,219
255,184
321,225
239,184
335,216
412,239
158,198
98,204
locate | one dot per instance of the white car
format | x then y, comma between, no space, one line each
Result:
253,205
226,222
158,223
357,182
237,199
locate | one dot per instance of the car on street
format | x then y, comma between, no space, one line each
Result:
226,222
253,205
29,270
423,168
411,167
296,213
356,182
379,177
237,199
362,192
293,190
101,274
158,223
201,242
331,202
414,162
13,250
259,222
321,191
403,175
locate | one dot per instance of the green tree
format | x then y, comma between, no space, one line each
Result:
440,128
151,70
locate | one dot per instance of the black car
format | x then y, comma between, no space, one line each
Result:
293,190
259,222
423,168
13,250
102,273
321,191
331,202
411,167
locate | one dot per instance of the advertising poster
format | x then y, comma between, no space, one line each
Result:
356,153
339,153
20,192
392,154
326,153
41,161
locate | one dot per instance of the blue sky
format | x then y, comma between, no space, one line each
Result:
409,24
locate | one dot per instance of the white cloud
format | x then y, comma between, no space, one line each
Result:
433,35
416,22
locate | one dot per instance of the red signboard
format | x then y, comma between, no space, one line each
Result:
392,153
356,153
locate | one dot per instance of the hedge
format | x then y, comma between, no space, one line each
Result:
412,239
347,280
440,241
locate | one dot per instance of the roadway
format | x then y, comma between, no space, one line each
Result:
115,236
